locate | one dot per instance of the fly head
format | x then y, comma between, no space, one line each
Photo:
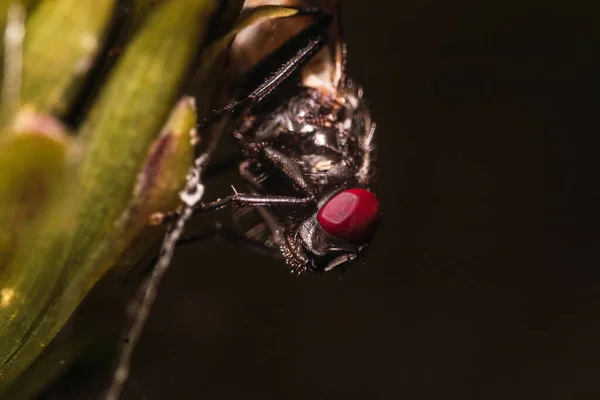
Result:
339,230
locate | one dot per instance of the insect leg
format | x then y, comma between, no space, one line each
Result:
220,231
243,199
217,230
238,199
278,66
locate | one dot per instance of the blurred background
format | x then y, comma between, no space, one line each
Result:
476,286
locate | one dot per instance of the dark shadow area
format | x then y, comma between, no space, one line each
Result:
476,286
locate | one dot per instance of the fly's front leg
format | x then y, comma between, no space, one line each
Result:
238,199
217,230
220,231
243,199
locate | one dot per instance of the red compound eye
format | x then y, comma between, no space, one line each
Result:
350,214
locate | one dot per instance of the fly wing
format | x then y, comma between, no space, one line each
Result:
327,69
323,72
256,42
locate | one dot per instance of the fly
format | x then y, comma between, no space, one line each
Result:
308,157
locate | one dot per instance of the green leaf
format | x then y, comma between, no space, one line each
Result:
82,236
32,160
54,65
161,177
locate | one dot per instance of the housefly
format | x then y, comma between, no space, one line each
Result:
308,152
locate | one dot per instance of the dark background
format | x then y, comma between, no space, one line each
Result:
476,286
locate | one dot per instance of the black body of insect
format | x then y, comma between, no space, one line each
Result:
308,155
